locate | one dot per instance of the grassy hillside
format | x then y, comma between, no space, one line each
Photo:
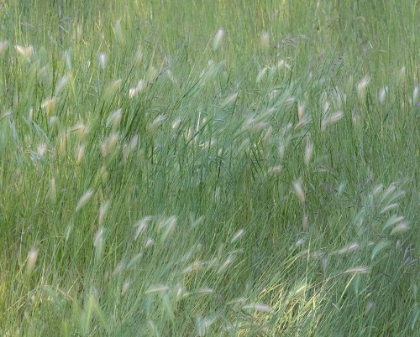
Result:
209,168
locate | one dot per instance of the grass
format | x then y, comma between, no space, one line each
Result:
210,168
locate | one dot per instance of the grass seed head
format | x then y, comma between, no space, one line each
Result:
301,110
400,228
218,39
49,105
32,257
265,40
114,119
361,86
118,31
299,191
102,212
257,307
108,145
382,94
80,153
102,60
309,150
84,199
61,84
25,52
52,192
3,46
98,242
237,235
358,270
125,287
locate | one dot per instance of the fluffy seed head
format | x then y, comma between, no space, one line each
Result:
80,153
400,228
84,199
98,242
3,46
125,287
237,235
52,192
102,212
265,40
118,31
157,289
24,51
102,60
32,257
299,191
218,39
61,84
258,307
361,86
49,105
358,270
309,150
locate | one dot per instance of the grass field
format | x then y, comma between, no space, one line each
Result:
209,168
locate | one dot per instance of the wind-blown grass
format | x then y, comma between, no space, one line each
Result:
209,169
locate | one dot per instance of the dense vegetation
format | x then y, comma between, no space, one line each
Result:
209,168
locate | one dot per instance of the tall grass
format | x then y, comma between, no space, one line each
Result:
209,168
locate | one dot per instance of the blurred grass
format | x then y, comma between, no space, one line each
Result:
209,168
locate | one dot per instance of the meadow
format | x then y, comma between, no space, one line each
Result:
209,168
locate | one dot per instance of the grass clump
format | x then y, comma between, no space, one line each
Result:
208,169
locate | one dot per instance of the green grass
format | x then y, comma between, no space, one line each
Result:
210,168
